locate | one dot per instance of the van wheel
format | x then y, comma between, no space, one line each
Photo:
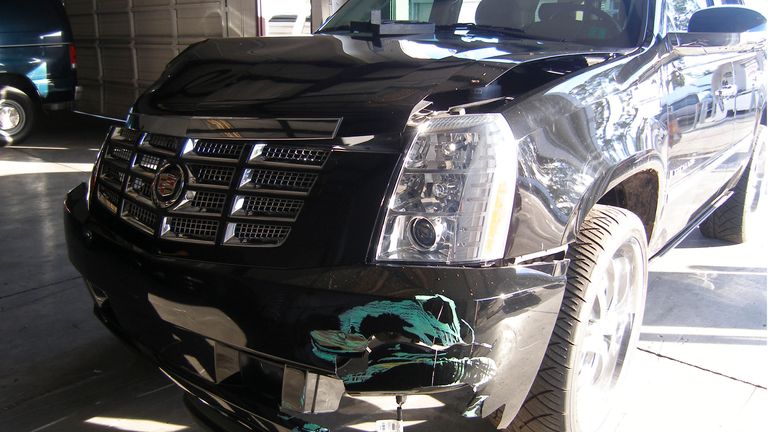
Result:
735,219
596,330
17,115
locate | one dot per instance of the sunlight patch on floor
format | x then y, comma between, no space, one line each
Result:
135,425
8,168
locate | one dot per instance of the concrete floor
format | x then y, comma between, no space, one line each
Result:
700,365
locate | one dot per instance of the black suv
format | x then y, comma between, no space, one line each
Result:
435,214
37,64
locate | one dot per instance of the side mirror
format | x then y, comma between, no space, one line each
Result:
726,19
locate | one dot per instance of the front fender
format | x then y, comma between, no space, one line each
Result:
649,161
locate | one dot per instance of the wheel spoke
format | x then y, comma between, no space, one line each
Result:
601,299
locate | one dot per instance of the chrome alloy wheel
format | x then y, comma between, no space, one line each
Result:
12,118
614,310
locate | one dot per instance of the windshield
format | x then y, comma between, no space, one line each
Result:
617,23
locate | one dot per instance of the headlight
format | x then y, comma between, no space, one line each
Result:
454,195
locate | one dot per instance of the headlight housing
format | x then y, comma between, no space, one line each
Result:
454,195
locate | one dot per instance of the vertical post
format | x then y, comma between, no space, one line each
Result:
322,9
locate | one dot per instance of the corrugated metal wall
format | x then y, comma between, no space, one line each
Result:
123,45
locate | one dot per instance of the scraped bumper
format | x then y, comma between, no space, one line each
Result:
326,348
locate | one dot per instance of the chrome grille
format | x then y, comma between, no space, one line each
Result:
108,198
191,229
139,186
140,216
130,136
119,153
206,202
148,162
111,174
307,156
213,175
163,142
218,149
267,206
283,180
257,234
227,199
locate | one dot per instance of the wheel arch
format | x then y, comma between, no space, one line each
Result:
22,83
636,184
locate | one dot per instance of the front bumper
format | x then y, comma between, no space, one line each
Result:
250,342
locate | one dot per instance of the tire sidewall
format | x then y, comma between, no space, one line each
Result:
631,227
28,112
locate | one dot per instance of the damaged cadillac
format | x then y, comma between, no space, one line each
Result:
430,215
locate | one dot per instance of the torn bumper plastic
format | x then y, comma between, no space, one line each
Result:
289,348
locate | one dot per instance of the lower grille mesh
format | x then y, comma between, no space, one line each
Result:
249,233
112,174
269,206
286,180
140,214
208,201
215,175
149,162
193,229
119,153
109,198
140,187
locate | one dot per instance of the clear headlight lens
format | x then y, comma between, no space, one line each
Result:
454,196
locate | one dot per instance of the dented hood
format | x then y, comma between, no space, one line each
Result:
372,85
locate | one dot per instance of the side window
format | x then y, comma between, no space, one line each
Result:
679,12
407,10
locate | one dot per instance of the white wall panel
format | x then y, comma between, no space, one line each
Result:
124,45
116,98
88,61
154,26
112,5
151,60
90,100
83,26
200,22
117,64
115,26
79,6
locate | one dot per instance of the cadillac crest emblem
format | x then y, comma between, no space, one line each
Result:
167,186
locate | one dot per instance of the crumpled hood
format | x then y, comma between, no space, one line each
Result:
373,86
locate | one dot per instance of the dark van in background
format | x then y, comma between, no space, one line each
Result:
37,64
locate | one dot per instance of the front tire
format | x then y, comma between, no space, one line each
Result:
734,220
596,329
17,115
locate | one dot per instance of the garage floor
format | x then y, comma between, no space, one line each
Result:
700,365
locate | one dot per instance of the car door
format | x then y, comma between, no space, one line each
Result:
748,68
699,96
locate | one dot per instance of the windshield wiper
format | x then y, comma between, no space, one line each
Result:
482,29
392,28
386,28
343,27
